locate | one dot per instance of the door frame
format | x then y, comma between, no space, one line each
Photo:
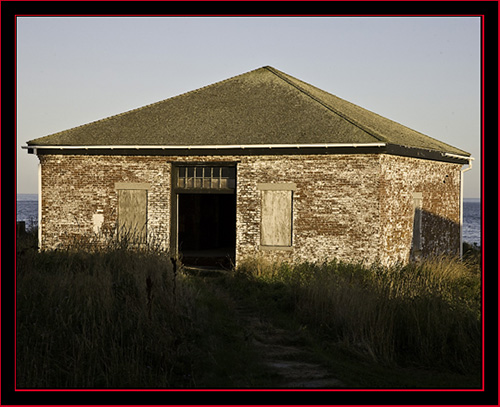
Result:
175,191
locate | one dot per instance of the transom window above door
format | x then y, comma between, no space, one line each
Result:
213,177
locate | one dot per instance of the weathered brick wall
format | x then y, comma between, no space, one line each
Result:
353,207
335,205
77,187
439,184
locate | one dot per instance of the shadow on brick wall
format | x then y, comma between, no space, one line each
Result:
434,235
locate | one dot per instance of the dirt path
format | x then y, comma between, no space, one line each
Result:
282,351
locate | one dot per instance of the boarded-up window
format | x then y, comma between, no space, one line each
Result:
276,214
132,212
417,222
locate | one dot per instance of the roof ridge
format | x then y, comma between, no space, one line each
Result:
165,121
371,132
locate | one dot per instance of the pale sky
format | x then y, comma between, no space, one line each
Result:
423,72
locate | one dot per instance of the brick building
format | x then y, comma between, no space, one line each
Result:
261,164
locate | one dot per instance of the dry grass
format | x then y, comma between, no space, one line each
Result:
121,318
426,314
112,317
93,320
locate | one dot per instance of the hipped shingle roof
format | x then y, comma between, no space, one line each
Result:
261,107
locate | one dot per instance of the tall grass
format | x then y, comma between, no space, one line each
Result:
113,317
120,316
425,314
91,320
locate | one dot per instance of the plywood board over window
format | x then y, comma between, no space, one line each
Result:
276,215
416,244
132,212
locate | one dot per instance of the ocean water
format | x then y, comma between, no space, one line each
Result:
27,210
472,221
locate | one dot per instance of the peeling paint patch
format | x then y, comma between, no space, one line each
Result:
97,220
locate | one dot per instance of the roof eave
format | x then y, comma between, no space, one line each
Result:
428,154
249,149
33,148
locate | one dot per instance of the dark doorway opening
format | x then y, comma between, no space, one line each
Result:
207,229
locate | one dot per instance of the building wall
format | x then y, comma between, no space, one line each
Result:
439,184
335,206
76,189
352,207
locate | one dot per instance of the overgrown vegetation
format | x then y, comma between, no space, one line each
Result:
118,318
121,318
426,314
